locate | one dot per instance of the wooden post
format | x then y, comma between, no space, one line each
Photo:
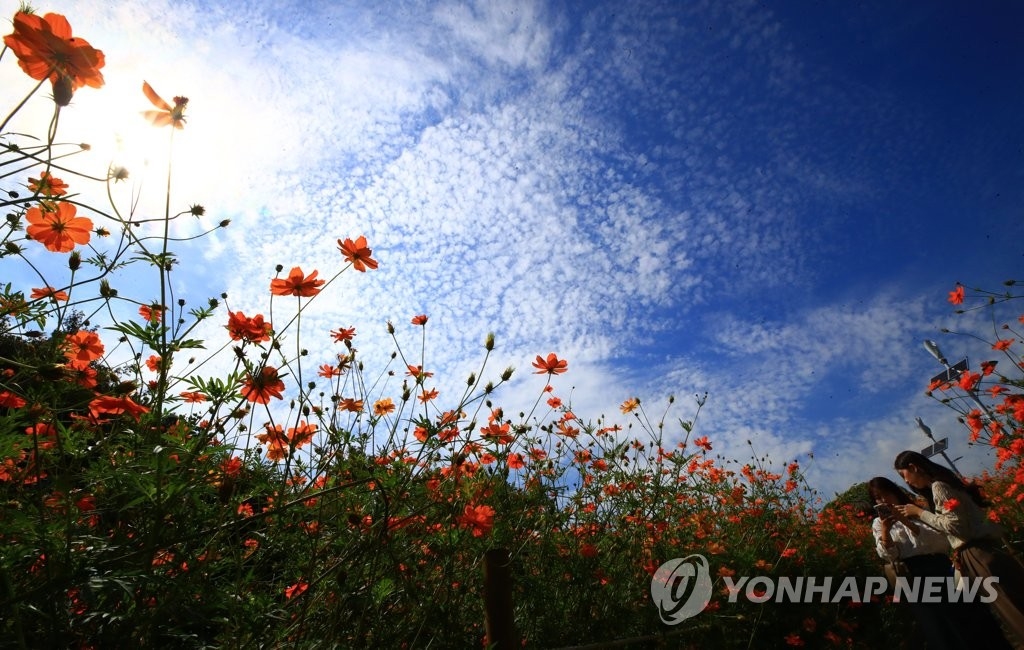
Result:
499,622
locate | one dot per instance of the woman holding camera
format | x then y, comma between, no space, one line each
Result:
924,551
959,511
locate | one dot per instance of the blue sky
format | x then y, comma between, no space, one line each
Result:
763,201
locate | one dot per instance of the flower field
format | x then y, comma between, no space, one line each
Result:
278,504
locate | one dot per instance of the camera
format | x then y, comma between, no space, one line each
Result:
884,510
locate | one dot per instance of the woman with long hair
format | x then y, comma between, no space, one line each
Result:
959,510
924,551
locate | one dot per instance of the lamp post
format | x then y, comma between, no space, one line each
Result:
953,373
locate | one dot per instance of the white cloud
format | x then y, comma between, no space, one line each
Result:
614,191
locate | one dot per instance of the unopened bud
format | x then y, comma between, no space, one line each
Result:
106,291
472,379
197,210
391,327
224,224
63,90
505,376
489,343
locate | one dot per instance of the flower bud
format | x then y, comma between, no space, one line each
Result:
63,90
106,291
74,260
505,376
197,210
489,343
472,379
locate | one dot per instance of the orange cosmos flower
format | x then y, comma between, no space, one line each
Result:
106,405
956,296
515,461
49,292
343,334
151,313
9,400
167,115
428,395
419,320
417,372
296,284
479,518
260,388
46,50
47,185
84,377
552,365
350,405
300,435
327,371
82,348
45,434
969,380
1003,344
276,441
383,406
629,405
357,253
703,443
193,397
296,589
241,328
153,363
59,229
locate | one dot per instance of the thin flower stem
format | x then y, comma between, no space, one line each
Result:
17,108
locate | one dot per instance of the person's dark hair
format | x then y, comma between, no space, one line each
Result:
879,485
937,472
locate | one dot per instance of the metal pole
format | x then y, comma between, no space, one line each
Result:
499,622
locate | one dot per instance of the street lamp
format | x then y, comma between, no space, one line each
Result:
933,349
952,373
